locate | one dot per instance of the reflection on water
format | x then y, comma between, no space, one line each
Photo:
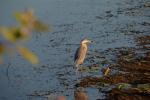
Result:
79,94
110,24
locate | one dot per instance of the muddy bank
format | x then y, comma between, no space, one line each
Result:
138,73
129,94
132,78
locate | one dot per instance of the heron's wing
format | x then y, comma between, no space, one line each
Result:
76,54
80,53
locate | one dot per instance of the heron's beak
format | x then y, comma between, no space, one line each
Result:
90,41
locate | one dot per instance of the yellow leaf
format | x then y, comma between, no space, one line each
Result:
28,55
13,34
39,26
25,18
7,34
28,20
107,71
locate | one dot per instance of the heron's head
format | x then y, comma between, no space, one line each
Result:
85,41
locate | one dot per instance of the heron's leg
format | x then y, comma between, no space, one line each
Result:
81,74
77,66
77,70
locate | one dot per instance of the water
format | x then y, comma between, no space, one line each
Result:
107,22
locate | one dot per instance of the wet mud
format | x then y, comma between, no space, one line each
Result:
132,69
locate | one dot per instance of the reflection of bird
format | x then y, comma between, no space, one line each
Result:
81,52
79,94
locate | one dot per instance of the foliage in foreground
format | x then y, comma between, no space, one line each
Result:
12,38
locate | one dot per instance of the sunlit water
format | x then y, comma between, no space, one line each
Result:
106,22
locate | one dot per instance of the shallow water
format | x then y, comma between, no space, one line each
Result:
109,23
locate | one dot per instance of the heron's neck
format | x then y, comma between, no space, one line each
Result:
84,45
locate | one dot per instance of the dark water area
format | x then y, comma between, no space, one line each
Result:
109,23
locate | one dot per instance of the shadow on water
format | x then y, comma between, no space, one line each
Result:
114,26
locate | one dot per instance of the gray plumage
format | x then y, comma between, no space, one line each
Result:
81,52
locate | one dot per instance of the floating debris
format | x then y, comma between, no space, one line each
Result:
107,71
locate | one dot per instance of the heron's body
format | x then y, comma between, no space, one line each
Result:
81,52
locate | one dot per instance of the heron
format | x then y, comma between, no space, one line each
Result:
81,52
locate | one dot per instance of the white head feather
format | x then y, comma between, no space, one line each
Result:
85,41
